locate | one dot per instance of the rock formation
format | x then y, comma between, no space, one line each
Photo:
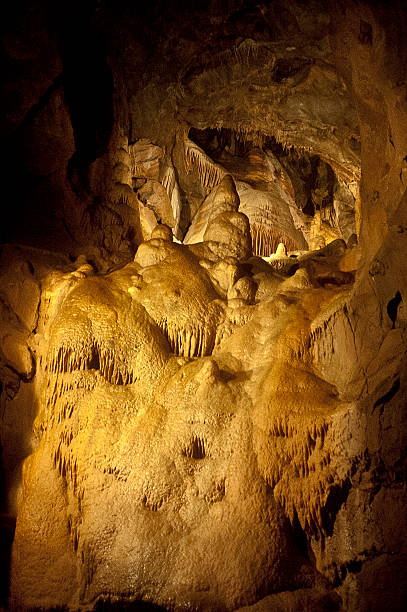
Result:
203,287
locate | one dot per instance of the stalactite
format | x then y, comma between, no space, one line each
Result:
197,448
321,335
122,201
249,137
247,51
191,341
170,184
90,357
299,451
209,173
265,240
138,170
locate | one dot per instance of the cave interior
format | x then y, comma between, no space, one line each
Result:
203,323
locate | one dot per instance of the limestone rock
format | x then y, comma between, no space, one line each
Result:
244,288
270,219
148,220
154,196
228,234
145,158
223,198
162,232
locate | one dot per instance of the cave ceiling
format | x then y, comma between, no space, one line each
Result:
262,71
235,80
264,74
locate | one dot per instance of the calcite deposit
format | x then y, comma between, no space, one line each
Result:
163,422
203,325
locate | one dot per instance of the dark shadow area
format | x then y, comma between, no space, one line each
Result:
106,605
7,528
392,308
300,537
337,496
88,87
389,395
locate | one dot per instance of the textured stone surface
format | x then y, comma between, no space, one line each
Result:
191,425
157,443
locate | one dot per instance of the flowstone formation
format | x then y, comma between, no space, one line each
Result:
184,436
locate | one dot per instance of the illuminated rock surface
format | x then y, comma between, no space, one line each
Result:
203,322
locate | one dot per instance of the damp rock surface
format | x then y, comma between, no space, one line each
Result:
203,306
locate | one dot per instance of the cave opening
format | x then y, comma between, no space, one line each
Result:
322,204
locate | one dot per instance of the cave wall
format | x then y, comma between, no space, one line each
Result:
370,53
367,43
